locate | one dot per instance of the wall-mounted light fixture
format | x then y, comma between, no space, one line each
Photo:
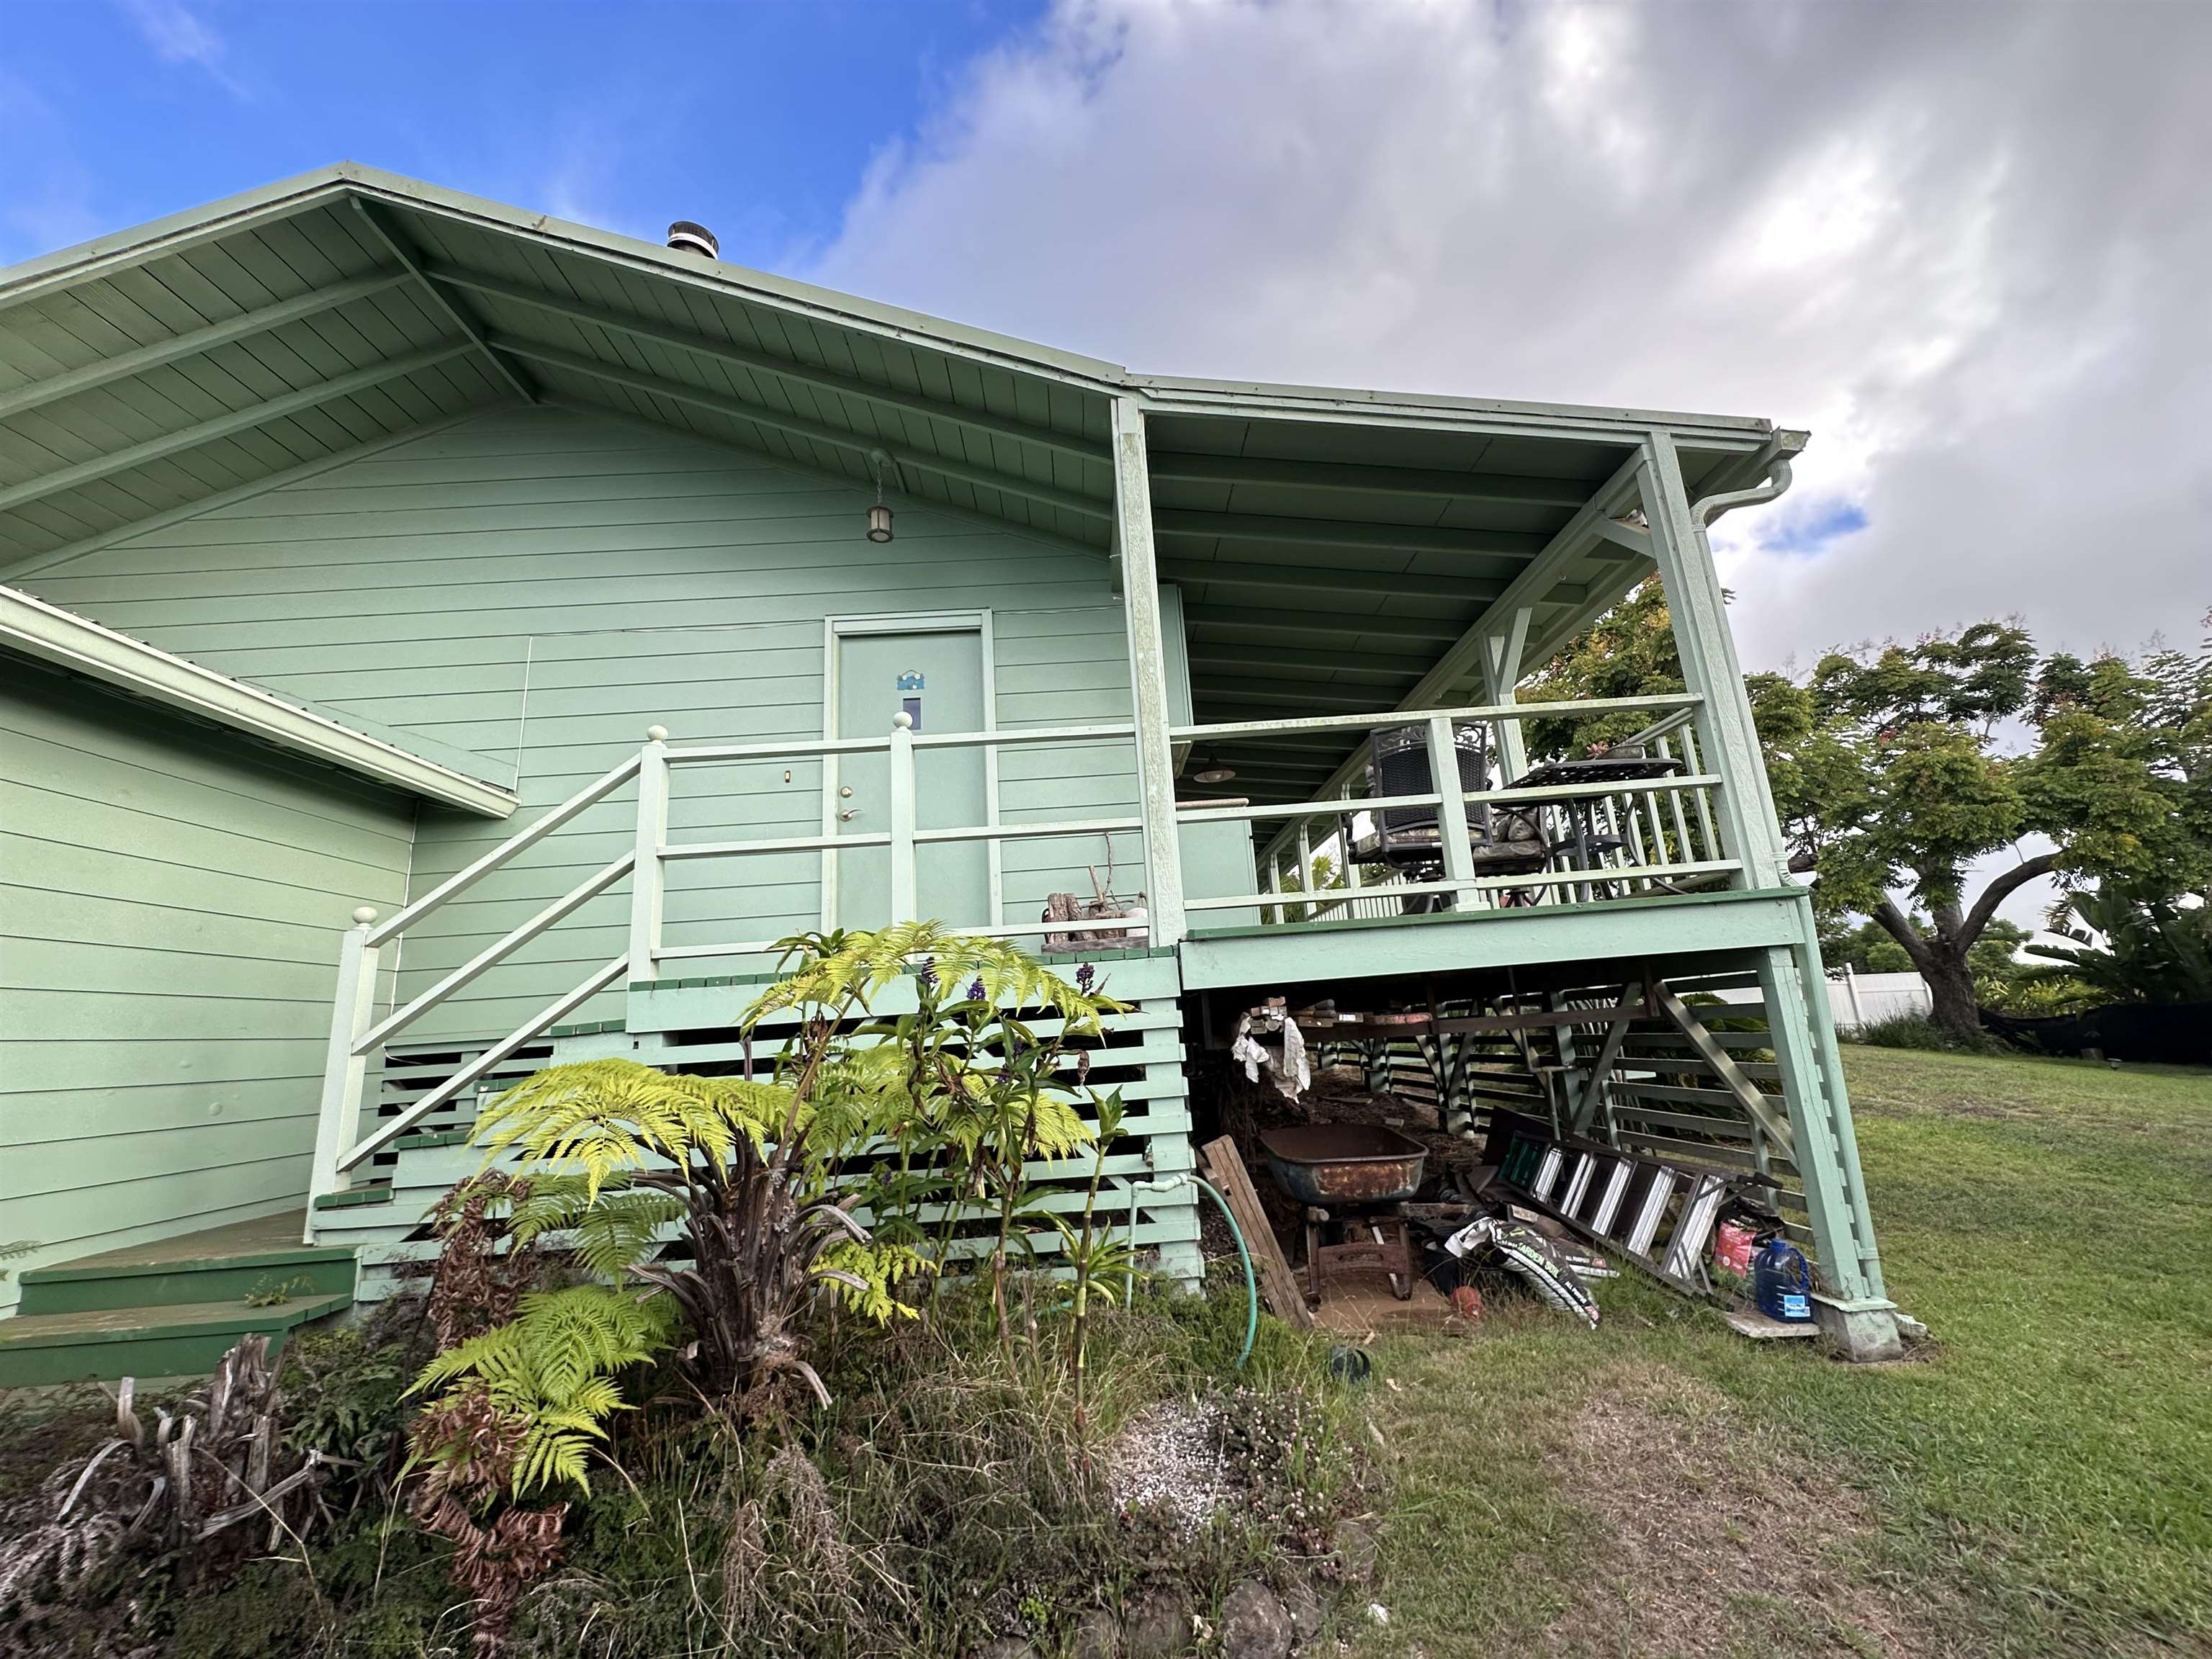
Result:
879,516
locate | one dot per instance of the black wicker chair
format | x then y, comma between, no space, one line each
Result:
1506,840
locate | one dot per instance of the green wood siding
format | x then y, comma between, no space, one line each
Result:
540,585
167,960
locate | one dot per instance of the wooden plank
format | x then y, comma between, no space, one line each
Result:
1224,1167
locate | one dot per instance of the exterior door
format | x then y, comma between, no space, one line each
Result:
935,676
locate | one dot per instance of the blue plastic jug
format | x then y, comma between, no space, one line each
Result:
1781,1283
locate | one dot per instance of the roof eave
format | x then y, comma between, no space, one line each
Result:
30,627
1262,399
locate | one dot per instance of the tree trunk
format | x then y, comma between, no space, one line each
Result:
1951,985
1941,960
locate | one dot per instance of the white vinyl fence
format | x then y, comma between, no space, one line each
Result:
1856,1000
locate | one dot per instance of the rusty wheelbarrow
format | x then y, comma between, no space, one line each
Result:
1334,1166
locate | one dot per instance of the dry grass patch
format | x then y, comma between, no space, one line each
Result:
1716,1537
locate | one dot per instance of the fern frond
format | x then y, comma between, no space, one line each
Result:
864,1276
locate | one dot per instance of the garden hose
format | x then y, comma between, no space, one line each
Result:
1243,1251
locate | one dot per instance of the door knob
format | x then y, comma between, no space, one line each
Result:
848,815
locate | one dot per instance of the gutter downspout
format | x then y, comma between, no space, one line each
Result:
1772,464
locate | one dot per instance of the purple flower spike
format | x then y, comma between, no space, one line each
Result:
928,972
975,991
1085,976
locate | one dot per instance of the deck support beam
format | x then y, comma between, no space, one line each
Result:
1821,1143
1141,601
1598,1084
1728,740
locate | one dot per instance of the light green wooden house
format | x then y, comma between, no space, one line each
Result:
439,639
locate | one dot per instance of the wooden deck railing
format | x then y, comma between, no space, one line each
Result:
1651,834
357,1035
1664,828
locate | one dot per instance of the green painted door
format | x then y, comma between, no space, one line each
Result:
937,678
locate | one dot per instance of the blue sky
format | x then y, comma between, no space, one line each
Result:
759,119
1966,247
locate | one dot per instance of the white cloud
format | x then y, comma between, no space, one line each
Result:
1969,247
177,34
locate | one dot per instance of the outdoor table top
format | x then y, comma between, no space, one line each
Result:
1602,769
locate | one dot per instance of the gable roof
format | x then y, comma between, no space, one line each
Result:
1334,546
30,627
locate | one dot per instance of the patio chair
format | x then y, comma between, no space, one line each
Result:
1505,841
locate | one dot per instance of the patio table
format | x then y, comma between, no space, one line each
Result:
1575,850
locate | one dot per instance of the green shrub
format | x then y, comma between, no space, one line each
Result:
1919,1031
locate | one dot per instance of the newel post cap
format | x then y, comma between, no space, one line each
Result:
656,734
902,720
366,914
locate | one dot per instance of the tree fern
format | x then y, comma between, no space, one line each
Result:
550,1368
843,970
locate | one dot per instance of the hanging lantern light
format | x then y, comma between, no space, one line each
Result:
879,516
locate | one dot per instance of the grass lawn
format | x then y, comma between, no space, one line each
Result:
2041,1483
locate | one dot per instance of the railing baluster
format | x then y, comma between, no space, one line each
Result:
343,1069
648,879
1307,911
904,901
1682,853
1709,844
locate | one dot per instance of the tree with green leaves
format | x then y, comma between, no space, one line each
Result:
1902,780
1896,768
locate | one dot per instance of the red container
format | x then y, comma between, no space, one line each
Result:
1734,1245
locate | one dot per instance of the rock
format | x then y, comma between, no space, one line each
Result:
1353,1545
1098,1636
1254,1623
1305,1610
1158,1627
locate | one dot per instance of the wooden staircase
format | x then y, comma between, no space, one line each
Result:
172,1308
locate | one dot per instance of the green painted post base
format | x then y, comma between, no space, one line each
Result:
1863,1331
1181,1261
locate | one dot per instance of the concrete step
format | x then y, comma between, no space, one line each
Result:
262,1256
178,1340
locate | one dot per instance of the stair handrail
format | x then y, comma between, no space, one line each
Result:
355,1032
521,840
559,1009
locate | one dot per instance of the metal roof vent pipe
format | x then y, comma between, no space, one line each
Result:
694,239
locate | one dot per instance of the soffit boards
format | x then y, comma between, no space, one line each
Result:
1330,545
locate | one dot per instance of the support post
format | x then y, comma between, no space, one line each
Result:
1141,601
1451,807
1501,672
1850,1303
1837,1094
1728,742
353,1007
648,877
904,900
